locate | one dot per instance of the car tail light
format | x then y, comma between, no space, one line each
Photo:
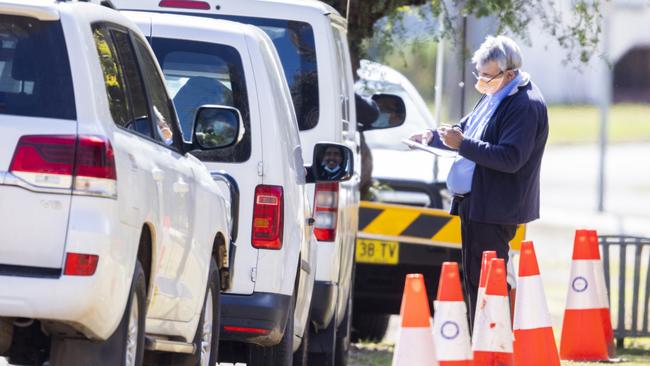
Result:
85,163
326,205
268,217
95,167
185,4
80,264
232,329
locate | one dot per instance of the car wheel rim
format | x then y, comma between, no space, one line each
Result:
132,335
206,334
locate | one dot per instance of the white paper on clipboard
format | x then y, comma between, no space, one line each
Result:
432,150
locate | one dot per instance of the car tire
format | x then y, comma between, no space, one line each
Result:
301,354
125,347
369,326
279,355
343,336
206,345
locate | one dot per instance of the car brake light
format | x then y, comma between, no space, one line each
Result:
268,220
85,163
232,329
80,264
326,204
95,173
185,4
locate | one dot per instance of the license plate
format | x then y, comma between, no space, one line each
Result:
377,251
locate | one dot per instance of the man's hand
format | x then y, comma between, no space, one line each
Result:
423,137
451,136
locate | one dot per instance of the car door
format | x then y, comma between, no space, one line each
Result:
179,192
348,204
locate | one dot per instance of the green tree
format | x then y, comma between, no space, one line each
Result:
578,31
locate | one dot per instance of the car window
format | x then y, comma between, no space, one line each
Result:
140,121
296,47
113,76
164,116
29,86
200,73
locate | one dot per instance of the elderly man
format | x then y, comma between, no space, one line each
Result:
495,177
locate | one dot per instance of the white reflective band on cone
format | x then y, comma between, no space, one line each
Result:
415,348
492,325
480,295
586,286
451,332
530,296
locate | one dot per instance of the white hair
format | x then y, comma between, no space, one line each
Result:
502,50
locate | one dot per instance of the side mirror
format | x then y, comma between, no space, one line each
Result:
331,163
216,127
392,112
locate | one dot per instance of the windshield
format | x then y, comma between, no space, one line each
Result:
200,73
35,79
296,47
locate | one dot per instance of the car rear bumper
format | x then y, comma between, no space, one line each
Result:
259,318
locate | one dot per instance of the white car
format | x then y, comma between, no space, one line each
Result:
311,41
111,232
208,62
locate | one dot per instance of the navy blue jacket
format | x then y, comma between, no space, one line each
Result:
505,185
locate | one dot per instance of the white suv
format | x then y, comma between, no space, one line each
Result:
110,231
214,62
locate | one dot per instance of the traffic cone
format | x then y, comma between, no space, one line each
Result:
450,329
534,341
488,255
415,340
604,298
492,341
587,327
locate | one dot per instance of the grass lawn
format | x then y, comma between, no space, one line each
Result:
581,124
635,353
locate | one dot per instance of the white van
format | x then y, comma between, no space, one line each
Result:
113,235
207,61
310,38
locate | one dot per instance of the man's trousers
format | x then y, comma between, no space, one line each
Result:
478,237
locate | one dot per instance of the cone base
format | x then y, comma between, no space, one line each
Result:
583,335
482,358
535,347
455,363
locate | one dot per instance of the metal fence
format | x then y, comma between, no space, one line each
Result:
626,261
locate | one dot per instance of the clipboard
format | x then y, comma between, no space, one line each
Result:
431,150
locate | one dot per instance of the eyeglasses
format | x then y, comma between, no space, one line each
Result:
479,77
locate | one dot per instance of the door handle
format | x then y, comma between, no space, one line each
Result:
181,187
158,174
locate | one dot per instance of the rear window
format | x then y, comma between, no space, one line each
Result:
199,73
35,78
296,47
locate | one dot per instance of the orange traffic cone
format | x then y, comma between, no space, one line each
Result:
534,342
488,255
492,341
450,329
592,237
587,328
415,340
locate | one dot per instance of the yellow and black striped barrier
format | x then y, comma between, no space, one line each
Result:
390,223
